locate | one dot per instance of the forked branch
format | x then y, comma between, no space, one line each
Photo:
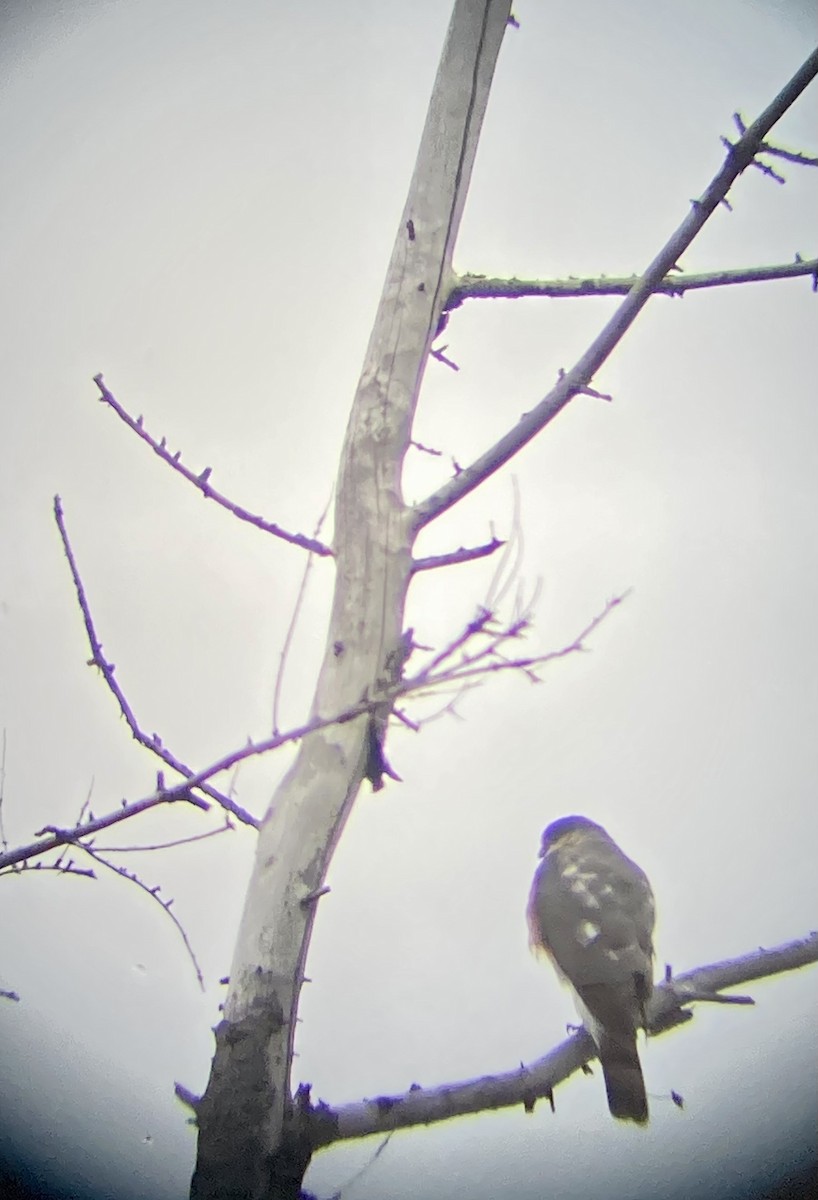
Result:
476,653
151,741
738,158
526,1085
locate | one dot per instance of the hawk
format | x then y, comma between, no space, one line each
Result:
591,910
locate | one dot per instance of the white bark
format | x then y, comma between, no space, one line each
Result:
248,1148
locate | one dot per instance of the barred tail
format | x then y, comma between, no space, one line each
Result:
624,1083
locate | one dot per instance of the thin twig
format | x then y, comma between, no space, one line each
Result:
426,449
185,841
508,568
504,576
359,1174
58,866
454,557
153,892
201,481
51,837
152,742
288,637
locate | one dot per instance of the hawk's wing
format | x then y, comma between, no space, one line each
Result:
591,908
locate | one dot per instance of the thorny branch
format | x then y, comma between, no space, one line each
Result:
151,741
153,892
201,481
738,158
456,663
51,837
454,557
484,287
675,283
59,866
526,1085
97,853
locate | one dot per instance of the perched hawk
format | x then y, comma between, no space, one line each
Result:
591,910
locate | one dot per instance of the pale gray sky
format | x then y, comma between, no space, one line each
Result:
199,201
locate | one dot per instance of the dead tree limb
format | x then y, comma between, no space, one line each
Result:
571,383
527,1084
485,287
251,1139
202,479
151,741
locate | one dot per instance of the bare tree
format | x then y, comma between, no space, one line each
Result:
255,1139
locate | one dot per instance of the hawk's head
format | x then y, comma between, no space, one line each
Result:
567,830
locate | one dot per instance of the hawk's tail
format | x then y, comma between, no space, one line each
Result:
624,1084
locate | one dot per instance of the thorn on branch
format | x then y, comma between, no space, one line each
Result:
441,358
767,170
407,721
589,391
188,1098
312,897
426,449
65,835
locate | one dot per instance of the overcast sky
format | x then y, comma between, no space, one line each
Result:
199,200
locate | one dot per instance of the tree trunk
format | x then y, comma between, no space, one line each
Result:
253,1142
